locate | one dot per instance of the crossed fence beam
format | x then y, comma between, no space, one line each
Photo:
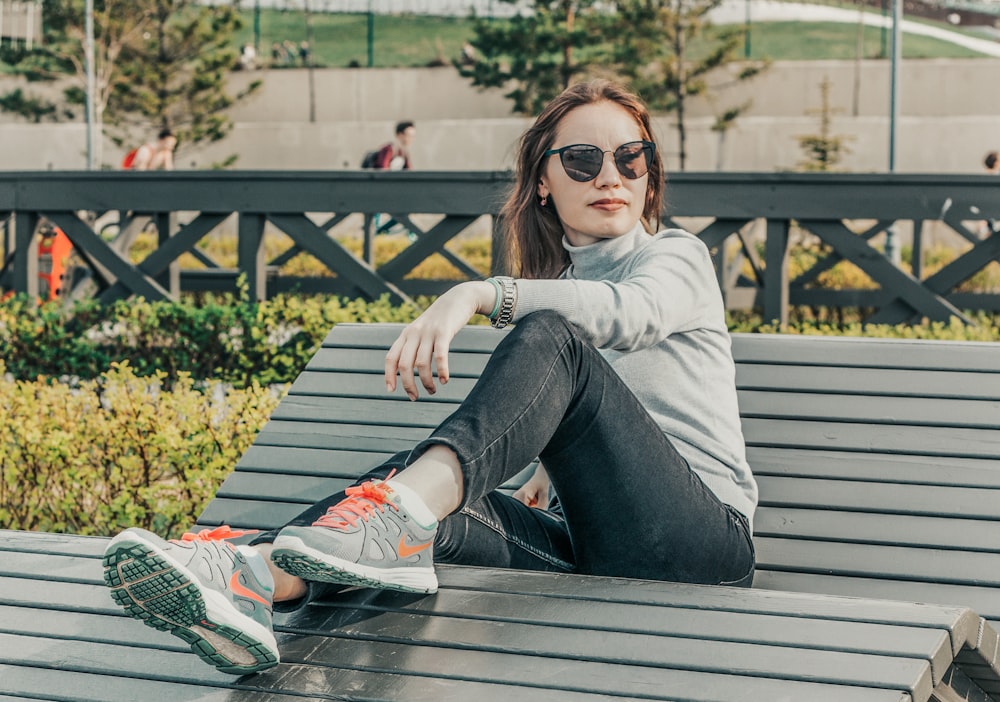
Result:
825,205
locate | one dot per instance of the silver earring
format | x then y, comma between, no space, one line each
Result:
544,201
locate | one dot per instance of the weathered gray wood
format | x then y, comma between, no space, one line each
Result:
480,636
983,599
881,498
887,468
877,466
873,528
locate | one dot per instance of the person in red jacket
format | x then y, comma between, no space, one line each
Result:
395,156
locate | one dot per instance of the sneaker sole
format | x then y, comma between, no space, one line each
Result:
293,556
165,596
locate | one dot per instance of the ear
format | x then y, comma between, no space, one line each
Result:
543,189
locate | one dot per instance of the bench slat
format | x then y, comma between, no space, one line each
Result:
943,412
842,436
308,461
861,527
866,352
889,468
983,599
869,381
882,498
758,404
903,563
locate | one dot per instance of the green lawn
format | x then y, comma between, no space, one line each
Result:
342,39
804,41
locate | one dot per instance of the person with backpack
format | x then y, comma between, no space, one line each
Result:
155,155
394,156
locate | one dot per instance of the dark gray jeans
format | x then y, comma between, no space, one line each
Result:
628,504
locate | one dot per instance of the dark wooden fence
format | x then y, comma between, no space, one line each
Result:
848,213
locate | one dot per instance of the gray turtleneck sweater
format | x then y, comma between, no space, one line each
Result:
652,306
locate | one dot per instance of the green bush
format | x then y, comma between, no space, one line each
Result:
120,450
986,328
221,338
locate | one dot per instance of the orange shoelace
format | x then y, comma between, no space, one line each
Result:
219,533
361,501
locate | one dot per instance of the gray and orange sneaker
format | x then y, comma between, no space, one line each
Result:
367,539
203,588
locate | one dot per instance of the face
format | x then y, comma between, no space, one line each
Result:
610,205
169,143
406,136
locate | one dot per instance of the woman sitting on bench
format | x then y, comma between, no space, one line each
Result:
618,377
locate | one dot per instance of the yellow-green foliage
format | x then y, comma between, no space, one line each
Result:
119,451
986,328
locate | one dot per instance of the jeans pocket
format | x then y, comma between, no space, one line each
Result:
741,527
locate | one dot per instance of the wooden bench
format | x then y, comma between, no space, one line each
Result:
877,467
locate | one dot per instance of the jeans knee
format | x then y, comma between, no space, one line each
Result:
544,327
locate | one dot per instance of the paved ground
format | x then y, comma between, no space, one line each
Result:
734,12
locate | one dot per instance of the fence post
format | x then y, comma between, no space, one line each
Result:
26,253
170,279
776,272
250,254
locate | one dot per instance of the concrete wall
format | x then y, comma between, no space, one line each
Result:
949,119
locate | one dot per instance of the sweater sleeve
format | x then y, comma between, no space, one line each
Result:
668,287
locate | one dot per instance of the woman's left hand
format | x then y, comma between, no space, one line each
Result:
423,344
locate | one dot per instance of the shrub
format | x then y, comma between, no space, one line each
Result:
216,338
120,450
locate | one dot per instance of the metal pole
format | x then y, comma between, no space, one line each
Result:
892,250
91,82
746,41
308,58
256,28
897,46
371,36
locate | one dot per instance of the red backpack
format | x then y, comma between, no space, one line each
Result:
129,159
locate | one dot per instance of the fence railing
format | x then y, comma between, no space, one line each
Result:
748,220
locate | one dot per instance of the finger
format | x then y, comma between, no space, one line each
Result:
424,370
406,364
441,350
392,363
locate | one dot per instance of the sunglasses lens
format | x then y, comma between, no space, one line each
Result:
633,159
582,163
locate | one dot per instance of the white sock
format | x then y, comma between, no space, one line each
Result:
414,504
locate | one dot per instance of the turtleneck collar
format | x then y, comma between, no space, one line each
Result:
594,261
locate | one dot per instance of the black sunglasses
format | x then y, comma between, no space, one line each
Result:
582,162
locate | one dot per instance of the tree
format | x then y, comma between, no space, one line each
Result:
823,151
539,52
157,62
668,51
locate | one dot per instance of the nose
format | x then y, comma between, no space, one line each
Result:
609,175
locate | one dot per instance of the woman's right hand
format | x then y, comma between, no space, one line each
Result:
423,344
535,492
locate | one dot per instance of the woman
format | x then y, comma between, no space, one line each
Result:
618,376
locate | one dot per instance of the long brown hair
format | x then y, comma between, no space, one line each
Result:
533,233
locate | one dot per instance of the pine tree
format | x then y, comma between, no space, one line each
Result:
823,151
540,52
654,55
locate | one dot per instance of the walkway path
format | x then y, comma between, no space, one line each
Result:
735,11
